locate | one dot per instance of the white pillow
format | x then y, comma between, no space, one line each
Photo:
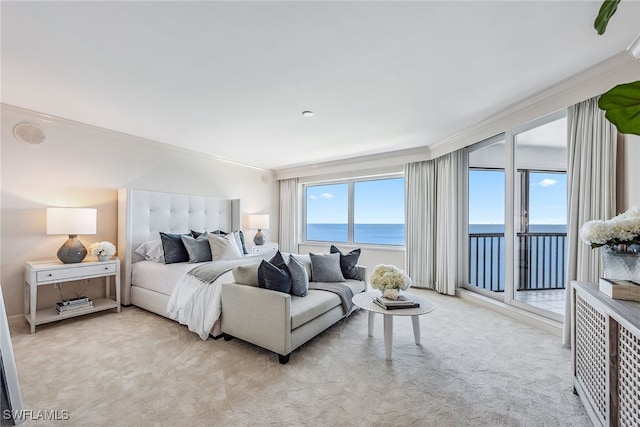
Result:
224,247
151,250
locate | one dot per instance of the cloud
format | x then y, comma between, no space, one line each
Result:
313,196
547,182
327,196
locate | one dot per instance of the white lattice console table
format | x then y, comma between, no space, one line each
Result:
606,355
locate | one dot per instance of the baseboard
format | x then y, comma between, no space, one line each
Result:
530,319
15,319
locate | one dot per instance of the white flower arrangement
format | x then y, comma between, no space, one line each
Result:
623,229
389,279
102,249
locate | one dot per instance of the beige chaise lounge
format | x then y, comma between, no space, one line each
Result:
278,321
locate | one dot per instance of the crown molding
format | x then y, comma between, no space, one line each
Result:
381,161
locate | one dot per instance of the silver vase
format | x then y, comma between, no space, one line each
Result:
620,264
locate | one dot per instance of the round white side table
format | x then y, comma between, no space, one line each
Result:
365,301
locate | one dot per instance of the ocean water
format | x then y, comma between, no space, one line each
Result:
542,263
381,234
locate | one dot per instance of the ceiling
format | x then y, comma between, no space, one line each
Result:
231,79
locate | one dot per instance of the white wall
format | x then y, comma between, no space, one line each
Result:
80,165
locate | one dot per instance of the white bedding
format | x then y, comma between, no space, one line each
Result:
197,305
158,277
191,302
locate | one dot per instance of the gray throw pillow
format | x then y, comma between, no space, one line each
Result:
326,268
299,277
246,275
198,249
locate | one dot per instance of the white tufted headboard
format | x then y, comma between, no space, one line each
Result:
143,214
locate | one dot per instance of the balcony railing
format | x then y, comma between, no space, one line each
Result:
541,261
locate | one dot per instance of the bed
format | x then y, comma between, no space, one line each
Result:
142,215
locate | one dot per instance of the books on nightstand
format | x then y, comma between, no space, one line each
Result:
73,304
620,289
391,304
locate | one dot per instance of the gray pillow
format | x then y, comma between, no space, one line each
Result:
299,277
326,268
246,275
198,249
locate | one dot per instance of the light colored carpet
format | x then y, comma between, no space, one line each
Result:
474,367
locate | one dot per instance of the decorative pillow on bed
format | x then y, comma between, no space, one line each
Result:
198,249
348,262
238,240
151,251
326,268
223,247
242,246
273,277
196,234
174,250
299,277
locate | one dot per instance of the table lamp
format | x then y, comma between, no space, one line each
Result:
71,221
259,222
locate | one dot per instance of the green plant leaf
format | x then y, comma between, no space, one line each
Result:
622,107
607,10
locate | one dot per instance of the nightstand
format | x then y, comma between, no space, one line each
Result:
40,273
267,248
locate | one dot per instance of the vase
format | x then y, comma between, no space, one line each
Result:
391,293
620,264
104,257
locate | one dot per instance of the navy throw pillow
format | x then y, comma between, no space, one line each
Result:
174,250
348,262
244,247
274,278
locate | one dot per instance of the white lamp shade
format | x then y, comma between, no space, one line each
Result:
71,221
259,222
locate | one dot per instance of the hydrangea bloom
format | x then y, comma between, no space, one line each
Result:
102,249
389,277
621,229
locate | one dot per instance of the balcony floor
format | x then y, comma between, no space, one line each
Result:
548,299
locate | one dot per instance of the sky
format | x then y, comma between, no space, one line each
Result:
547,197
375,202
382,201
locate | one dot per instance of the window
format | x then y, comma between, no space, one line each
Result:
328,213
357,211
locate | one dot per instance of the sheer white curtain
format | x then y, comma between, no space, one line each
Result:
431,190
591,187
288,227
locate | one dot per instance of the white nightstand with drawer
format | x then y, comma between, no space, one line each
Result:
267,248
39,273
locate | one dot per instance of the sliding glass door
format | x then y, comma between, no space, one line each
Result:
540,215
515,237
486,210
